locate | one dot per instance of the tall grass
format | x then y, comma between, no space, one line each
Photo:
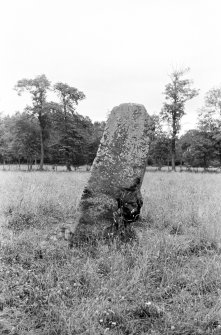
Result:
167,282
185,200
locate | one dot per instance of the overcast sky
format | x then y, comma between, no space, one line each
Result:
114,51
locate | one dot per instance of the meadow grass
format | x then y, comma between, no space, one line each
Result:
167,282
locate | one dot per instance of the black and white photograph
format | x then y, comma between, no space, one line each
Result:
110,167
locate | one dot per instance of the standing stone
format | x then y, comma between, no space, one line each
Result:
117,171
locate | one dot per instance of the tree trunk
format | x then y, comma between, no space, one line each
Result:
3,164
68,165
181,164
220,157
42,150
19,164
173,153
159,165
67,150
173,145
31,164
168,164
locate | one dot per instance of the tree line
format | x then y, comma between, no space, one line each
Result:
54,133
48,131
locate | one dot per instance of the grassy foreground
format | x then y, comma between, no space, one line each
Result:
169,282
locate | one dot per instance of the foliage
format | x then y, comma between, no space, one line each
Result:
69,96
70,133
20,139
213,99
159,150
94,140
26,136
5,139
209,120
198,148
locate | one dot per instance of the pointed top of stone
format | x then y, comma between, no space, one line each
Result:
123,148
128,106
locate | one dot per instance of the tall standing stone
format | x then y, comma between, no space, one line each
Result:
118,169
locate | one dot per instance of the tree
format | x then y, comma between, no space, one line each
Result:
38,88
94,140
198,148
19,138
69,96
177,93
213,99
6,139
159,143
160,150
209,119
26,137
210,124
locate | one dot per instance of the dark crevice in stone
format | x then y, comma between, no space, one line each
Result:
86,193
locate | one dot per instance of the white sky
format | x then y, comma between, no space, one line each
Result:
114,51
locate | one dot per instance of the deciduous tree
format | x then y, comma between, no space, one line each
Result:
159,143
213,99
38,88
198,148
177,93
209,119
69,98
26,139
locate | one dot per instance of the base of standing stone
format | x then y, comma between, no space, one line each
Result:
115,218
107,235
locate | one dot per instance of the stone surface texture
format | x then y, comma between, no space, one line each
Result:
119,167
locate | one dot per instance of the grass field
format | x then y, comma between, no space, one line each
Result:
168,282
